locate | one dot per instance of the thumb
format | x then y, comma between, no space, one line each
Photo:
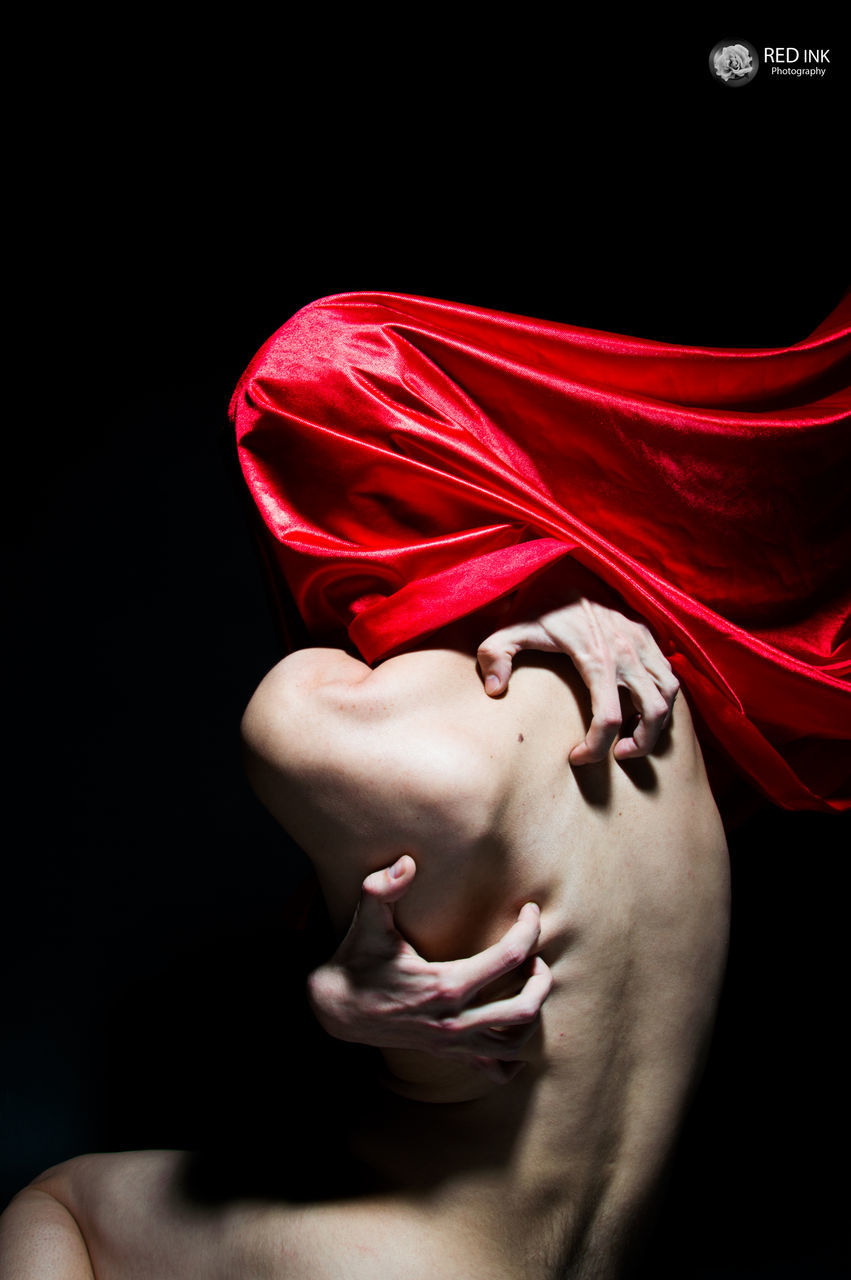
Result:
389,885
373,929
494,658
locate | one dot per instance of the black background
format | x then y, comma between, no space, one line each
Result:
179,195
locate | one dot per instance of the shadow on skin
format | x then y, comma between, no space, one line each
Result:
219,1054
595,783
640,772
594,780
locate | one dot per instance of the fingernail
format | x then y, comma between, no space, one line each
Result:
398,868
491,684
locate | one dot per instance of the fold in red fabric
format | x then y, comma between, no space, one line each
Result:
415,460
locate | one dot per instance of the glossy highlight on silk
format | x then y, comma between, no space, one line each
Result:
414,461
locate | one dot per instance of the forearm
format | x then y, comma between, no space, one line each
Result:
40,1240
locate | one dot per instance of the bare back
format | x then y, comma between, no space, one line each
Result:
628,864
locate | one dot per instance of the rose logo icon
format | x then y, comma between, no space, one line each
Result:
733,62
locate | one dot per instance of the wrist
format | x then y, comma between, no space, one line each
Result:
326,997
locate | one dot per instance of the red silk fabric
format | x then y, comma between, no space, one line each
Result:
415,460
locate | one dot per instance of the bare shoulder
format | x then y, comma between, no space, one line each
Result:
325,732
307,713
139,1221
359,766
109,1178
132,1215
300,690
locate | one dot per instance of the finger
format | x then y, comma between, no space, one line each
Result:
508,1044
658,667
464,978
669,687
378,894
653,711
391,883
495,656
505,1043
517,1012
606,717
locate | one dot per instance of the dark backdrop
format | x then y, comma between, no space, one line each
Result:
175,209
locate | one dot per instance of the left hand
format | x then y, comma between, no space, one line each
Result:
609,651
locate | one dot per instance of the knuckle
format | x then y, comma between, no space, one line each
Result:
443,990
489,649
608,721
656,708
527,1011
513,954
595,657
623,648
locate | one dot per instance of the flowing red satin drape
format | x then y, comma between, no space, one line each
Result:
414,460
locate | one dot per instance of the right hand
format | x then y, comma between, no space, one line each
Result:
611,652
377,990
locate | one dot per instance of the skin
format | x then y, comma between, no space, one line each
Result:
609,651
468,1176
377,989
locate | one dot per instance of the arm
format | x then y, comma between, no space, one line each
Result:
377,990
